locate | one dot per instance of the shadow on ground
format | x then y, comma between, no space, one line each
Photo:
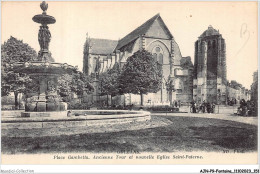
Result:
183,134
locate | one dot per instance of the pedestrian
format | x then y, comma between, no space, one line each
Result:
68,113
191,106
213,107
204,106
209,107
176,104
194,107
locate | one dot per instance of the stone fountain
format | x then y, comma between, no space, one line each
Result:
44,106
43,99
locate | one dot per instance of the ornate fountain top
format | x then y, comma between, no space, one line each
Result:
44,35
44,7
44,18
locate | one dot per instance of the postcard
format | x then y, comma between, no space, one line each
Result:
129,82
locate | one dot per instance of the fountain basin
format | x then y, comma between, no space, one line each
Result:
85,118
44,96
38,67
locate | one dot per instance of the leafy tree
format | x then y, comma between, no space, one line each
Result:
77,83
63,87
4,86
104,84
81,84
254,95
14,50
141,74
108,81
235,84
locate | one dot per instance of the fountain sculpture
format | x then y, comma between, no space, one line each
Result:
43,99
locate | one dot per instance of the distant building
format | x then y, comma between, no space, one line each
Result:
236,92
155,37
254,88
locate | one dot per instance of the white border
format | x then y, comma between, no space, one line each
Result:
129,168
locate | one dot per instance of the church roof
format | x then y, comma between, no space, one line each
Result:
140,31
210,32
102,46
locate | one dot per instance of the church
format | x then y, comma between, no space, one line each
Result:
155,37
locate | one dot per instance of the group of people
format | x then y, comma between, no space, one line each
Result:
177,104
203,107
246,108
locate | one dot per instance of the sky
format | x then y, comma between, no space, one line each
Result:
236,21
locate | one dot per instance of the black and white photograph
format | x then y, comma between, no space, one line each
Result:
129,82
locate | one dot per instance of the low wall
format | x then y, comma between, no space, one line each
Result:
11,113
118,117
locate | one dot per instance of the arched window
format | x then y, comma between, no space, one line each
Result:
158,55
157,49
96,64
214,44
209,45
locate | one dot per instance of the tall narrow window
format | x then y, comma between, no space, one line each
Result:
214,44
209,45
160,61
94,64
158,55
97,65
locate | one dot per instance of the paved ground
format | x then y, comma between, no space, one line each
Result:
165,132
247,120
221,109
57,131
161,134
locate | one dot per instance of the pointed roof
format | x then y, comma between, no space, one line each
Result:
140,31
102,46
210,32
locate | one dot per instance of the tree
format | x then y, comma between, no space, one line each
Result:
254,94
104,84
108,81
77,83
234,84
141,74
14,50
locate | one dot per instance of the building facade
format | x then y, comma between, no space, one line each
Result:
153,36
254,88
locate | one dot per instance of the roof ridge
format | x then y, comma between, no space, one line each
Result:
104,39
146,22
146,25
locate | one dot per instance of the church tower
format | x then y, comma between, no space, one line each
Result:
210,70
